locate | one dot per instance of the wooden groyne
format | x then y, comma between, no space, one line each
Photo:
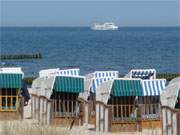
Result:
21,56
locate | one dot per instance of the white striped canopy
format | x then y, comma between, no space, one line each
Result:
106,74
101,77
11,70
143,73
48,72
57,71
69,72
170,94
153,87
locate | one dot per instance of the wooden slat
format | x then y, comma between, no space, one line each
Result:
55,104
112,102
150,106
68,103
146,105
0,102
72,107
117,114
125,106
59,107
11,105
64,107
121,108
72,110
129,113
75,106
6,103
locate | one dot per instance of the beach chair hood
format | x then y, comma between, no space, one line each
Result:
170,94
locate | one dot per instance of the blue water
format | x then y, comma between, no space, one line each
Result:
122,50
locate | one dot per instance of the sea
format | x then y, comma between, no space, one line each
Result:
80,47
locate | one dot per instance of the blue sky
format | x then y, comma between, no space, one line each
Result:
85,13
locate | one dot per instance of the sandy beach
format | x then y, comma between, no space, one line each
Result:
30,127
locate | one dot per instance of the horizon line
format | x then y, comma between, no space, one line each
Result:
85,26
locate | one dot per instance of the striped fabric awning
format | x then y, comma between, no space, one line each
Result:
11,80
69,84
101,77
153,87
11,77
57,71
143,73
127,87
106,74
69,72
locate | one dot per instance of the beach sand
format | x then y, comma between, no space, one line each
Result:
31,127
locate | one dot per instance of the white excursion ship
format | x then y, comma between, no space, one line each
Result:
104,26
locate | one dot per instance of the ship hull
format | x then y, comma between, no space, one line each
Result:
95,28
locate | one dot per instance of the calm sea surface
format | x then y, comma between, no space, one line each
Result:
122,50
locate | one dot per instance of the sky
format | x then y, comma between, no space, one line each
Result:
85,13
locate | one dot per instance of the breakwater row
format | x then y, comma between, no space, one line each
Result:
21,56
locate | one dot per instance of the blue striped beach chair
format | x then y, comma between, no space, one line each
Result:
150,100
92,82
